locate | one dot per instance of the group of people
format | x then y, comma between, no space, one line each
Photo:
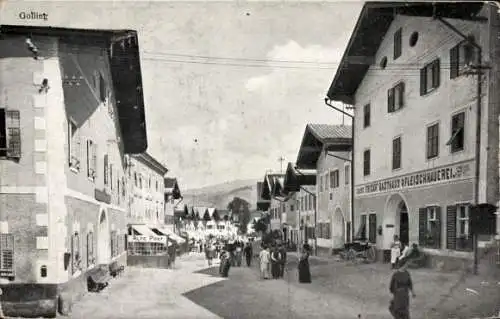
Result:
401,252
272,261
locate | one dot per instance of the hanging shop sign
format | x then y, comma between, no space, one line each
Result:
147,239
423,178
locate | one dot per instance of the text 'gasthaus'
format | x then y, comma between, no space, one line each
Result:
32,15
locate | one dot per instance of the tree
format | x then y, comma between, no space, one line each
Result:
241,208
186,213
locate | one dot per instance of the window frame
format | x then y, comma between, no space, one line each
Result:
459,60
347,174
366,162
398,43
12,130
434,67
366,115
74,146
7,261
457,133
432,141
397,153
395,104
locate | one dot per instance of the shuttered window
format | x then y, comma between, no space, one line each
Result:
461,56
10,133
90,249
106,169
432,141
430,77
457,139
457,228
429,227
396,97
91,160
398,43
396,153
76,264
366,115
74,145
366,162
372,228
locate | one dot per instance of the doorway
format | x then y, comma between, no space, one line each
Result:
404,227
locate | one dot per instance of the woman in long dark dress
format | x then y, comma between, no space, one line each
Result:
401,286
304,272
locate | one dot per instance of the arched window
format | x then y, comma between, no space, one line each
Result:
90,249
75,253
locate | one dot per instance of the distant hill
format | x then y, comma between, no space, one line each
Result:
220,195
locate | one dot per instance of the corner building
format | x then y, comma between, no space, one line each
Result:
70,110
416,103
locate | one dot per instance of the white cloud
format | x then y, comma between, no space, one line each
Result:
315,57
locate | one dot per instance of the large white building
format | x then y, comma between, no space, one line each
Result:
72,109
326,149
411,76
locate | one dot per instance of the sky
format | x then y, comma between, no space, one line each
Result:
229,86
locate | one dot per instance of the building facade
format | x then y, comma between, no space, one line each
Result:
173,198
147,201
416,99
65,127
326,149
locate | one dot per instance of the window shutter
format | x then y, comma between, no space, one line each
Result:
422,226
451,227
94,160
401,93
436,73
105,169
454,61
423,81
372,236
89,155
13,129
390,100
438,235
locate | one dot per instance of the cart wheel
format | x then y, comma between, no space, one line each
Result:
371,254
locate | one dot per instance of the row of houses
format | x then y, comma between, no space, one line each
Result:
75,177
421,81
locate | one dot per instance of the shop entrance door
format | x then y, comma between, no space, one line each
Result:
404,234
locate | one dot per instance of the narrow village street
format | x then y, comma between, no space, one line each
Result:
338,290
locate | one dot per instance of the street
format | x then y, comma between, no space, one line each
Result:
338,290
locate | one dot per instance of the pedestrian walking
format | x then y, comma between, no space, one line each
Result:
304,271
275,262
400,287
210,252
264,257
248,251
225,263
239,253
282,251
395,251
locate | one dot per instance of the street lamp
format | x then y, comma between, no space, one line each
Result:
351,235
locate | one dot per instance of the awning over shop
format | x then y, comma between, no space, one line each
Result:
172,235
142,230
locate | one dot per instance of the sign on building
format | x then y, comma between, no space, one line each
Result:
147,239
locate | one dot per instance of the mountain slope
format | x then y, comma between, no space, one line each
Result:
220,195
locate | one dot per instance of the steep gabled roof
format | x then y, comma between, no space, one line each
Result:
371,28
172,187
125,73
334,138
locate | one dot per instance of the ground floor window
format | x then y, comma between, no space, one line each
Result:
429,229
367,228
90,249
6,255
324,230
146,249
114,243
76,257
458,235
